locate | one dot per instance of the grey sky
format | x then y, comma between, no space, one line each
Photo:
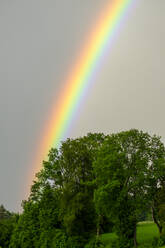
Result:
39,42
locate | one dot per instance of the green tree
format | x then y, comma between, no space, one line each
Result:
122,174
92,184
61,200
158,210
26,231
6,230
38,222
156,180
70,170
7,224
4,214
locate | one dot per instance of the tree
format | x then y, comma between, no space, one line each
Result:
122,172
7,224
92,184
61,201
70,170
156,180
38,223
4,214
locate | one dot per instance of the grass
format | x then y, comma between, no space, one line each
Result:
146,231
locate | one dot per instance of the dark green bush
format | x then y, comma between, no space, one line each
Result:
95,243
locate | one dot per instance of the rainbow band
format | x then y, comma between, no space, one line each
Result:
78,80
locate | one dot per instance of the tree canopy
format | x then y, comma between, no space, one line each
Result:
128,175
90,185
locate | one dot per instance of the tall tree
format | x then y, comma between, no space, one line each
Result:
122,171
70,170
156,180
61,200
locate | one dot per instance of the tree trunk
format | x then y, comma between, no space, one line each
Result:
98,225
98,231
155,220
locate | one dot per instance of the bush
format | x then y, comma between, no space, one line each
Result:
95,243
155,242
115,244
162,238
75,242
61,240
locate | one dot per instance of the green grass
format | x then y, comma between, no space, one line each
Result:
146,231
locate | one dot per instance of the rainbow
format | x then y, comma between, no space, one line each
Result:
80,77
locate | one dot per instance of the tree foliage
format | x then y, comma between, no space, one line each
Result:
131,161
62,196
93,184
7,223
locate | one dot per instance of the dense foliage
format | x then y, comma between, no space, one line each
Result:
131,160
89,186
8,222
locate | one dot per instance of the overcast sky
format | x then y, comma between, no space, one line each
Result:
39,42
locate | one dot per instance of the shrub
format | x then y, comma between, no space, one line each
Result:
95,243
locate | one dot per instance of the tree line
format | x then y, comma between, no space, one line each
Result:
92,185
